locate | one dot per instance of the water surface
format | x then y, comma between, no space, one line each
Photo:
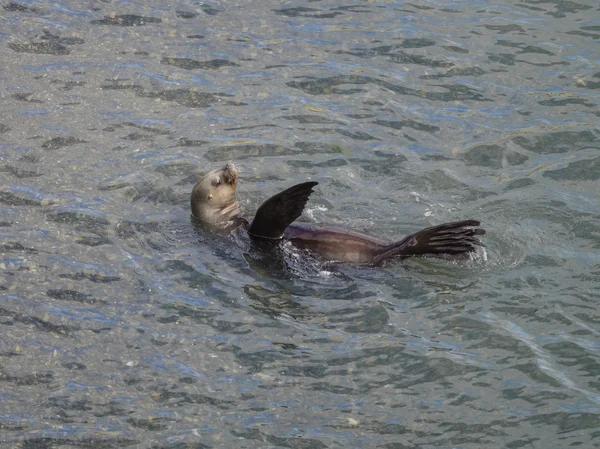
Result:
122,327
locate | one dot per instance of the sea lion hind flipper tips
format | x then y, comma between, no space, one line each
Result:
450,241
278,212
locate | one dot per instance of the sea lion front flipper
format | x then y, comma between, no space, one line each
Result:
451,241
278,212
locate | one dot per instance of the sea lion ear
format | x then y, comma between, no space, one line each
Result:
278,212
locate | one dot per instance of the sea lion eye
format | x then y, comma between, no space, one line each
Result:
217,182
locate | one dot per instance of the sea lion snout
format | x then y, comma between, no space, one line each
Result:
231,173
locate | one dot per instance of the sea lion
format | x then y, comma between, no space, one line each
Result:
214,204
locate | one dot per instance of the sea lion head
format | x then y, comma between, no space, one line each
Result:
213,197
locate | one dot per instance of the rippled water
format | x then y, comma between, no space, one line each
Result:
122,327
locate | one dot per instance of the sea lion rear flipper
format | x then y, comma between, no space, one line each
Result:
452,241
278,212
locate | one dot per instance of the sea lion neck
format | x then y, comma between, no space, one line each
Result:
213,197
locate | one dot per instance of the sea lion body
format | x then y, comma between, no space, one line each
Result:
333,243
213,203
